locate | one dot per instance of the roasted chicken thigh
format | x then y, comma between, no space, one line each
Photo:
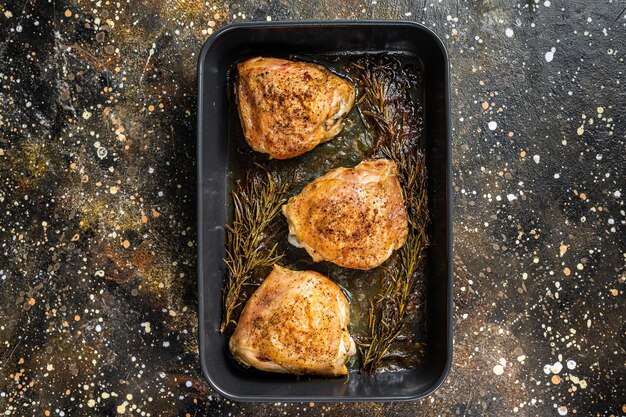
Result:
353,217
287,108
295,322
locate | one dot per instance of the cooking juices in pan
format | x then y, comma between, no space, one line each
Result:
358,141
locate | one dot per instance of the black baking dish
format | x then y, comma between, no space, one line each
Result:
237,42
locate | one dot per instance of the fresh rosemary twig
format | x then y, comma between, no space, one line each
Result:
257,201
389,113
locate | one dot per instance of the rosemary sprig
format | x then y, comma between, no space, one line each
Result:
389,113
257,201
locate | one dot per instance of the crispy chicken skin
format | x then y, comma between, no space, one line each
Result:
353,217
287,108
295,322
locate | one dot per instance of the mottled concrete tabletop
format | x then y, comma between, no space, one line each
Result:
97,205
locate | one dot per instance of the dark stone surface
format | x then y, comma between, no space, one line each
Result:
97,205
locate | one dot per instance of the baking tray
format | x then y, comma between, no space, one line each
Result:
241,41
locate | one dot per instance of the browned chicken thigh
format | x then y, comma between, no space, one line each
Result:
295,322
287,108
353,217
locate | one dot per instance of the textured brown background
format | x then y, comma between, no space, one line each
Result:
97,205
